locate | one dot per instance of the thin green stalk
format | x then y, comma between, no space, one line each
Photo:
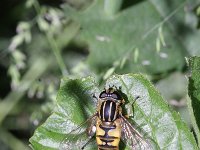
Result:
56,51
12,141
111,7
52,43
165,19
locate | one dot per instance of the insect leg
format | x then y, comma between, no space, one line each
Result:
131,107
135,100
91,138
134,103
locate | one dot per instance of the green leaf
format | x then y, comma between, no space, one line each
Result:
194,94
74,105
151,113
109,38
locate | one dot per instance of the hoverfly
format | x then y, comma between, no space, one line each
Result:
108,126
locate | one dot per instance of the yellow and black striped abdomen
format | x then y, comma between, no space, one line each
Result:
108,135
108,111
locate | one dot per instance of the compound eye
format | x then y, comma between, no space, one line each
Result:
103,95
114,96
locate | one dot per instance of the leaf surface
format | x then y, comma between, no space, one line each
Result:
151,113
194,93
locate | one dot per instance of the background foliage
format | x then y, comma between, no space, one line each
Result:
42,41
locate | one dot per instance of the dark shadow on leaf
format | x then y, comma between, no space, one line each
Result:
122,145
127,3
80,94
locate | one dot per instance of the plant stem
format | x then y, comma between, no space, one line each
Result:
56,51
111,7
53,44
11,141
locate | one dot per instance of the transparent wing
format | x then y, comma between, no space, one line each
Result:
131,137
81,137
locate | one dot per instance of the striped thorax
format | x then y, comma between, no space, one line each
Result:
108,111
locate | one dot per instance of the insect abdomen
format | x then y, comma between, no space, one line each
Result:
108,111
108,135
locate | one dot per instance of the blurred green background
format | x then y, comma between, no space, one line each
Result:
42,41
